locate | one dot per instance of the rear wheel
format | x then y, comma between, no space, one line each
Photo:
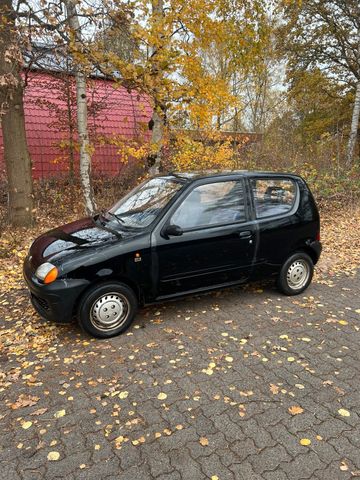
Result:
107,309
296,274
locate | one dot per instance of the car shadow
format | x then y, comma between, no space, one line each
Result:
159,313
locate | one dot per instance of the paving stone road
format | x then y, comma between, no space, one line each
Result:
197,389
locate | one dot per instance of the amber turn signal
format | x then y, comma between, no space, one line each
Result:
51,276
47,272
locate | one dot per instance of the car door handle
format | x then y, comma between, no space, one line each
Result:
245,234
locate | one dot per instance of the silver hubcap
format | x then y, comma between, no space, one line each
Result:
298,274
109,311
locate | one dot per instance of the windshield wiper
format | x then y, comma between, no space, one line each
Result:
117,218
104,227
123,224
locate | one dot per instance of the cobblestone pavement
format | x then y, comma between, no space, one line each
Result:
197,389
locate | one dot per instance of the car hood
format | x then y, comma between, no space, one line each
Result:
73,237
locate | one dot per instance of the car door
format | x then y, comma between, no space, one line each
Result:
276,200
217,244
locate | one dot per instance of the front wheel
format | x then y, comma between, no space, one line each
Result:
296,274
107,309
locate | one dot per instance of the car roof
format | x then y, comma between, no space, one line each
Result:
197,175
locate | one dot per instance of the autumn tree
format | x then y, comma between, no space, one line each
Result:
241,58
17,159
320,106
167,59
325,34
171,62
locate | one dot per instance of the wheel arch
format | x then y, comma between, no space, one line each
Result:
113,278
309,251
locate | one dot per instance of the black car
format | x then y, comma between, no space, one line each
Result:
174,235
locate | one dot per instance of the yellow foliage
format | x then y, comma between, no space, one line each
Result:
212,153
186,60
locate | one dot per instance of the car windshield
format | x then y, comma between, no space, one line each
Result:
140,207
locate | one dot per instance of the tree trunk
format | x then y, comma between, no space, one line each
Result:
85,157
156,141
17,159
82,116
158,116
70,124
354,127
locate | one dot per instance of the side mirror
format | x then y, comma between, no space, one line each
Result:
172,231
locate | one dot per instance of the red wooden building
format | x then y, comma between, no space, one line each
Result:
50,115
116,117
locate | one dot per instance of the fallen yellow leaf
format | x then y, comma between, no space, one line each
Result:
343,412
26,425
208,371
204,441
52,456
59,414
162,396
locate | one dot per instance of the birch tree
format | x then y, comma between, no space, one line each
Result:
82,109
159,110
354,125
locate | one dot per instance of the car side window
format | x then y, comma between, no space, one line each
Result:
210,205
273,196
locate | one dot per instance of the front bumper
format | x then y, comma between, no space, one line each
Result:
56,301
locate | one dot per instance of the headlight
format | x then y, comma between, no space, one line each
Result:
47,272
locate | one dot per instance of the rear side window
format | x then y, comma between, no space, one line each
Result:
273,196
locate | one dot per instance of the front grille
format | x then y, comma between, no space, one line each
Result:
41,302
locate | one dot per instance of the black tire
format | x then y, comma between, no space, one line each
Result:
296,274
103,301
